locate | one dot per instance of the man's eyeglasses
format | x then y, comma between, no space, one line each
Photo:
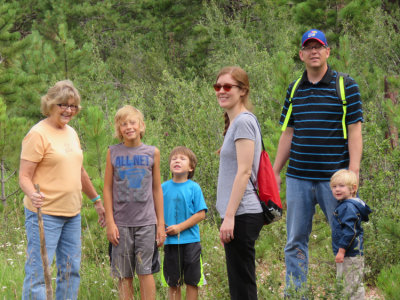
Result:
64,106
227,87
318,47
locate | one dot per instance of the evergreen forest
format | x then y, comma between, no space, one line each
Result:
162,56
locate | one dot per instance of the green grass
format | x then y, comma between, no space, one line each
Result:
96,282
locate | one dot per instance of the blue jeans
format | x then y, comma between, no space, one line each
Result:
301,198
63,238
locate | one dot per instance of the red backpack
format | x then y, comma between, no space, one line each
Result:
268,191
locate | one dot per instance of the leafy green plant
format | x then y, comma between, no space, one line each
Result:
388,282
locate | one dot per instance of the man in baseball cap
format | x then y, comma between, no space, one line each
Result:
315,142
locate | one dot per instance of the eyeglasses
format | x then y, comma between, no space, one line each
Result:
318,47
227,87
64,106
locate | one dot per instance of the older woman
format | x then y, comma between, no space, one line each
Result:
237,203
52,157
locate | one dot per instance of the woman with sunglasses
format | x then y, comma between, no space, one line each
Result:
237,203
52,157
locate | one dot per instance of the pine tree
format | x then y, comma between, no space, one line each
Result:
12,130
12,79
96,139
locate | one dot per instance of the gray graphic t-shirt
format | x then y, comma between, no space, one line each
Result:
244,126
133,203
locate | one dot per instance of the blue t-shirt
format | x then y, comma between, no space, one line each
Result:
181,201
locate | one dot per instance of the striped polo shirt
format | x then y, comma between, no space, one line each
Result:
318,148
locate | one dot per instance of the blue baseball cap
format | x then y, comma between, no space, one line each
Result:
314,34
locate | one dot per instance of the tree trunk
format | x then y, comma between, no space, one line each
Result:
393,133
3,182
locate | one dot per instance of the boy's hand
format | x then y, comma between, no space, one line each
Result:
160,235
113,234
340,255
173,230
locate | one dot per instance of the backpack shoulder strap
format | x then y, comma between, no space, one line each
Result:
259,128
289,111
263,149
341,92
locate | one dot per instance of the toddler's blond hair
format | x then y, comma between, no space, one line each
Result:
347,177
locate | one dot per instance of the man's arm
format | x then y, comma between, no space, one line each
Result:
282,153
355,144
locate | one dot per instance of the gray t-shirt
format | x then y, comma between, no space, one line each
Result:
244,126
133,203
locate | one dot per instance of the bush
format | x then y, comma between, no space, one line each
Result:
388,282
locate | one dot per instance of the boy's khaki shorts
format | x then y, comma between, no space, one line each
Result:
134,251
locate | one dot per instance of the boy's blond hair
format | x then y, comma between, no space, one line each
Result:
347,177
187,152
128,112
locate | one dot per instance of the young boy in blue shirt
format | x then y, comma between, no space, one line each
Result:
347,233
184,208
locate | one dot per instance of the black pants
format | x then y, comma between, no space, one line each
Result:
240,257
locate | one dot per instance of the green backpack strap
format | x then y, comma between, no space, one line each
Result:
289,111
341,92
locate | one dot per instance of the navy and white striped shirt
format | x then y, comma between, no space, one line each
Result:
318,148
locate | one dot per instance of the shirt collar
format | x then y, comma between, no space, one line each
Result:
328,77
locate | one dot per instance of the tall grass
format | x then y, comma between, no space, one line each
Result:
96,282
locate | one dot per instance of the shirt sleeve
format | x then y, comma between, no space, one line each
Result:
348,218
285,107
33,147
245,128
354,104
199,203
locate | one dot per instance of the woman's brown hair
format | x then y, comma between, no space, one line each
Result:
242,80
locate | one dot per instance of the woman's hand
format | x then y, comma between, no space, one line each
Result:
37,199
113,234
101,213
226,230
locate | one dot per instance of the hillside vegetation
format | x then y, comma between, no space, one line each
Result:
162,56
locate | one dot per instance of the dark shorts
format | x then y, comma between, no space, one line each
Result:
134,251
182,264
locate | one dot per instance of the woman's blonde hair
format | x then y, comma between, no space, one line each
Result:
346,177
242,80
60,93
128,112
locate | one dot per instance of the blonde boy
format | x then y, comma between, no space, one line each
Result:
134,204
184,208
347,233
